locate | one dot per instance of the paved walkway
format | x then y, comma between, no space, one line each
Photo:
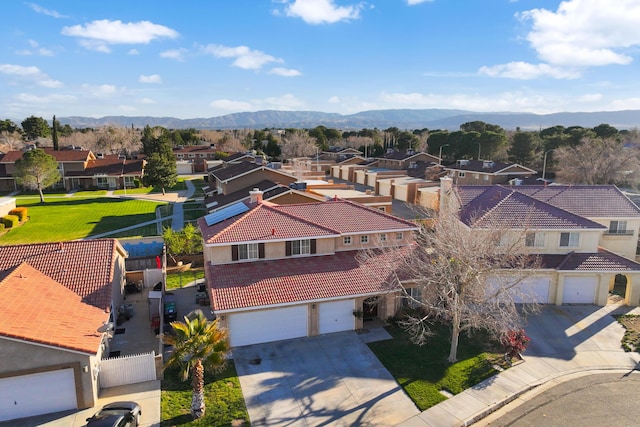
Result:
177,223
565,340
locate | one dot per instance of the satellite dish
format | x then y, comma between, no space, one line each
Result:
106,327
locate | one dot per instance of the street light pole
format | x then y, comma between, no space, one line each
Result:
544,162
440,153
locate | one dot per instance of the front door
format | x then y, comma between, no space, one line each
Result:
370,308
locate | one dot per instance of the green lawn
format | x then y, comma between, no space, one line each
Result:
180,185
423,371
70,218
223,400
173,279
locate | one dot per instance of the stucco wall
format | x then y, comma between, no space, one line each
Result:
21,358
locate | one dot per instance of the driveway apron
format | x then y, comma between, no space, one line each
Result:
332,379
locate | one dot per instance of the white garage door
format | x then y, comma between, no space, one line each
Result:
533,290
37,394
336,316
260,326
530,290
579,290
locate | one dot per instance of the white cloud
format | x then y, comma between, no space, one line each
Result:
97,35
133,52
153,78
232,106
100,91
245,57
39,9
625,104
285,72
36,49
286,102
47,99
177,54
590,97
146,101
585,32
415,2
322,11
526,71
32,73
334,100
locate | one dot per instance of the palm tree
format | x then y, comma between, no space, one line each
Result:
197,342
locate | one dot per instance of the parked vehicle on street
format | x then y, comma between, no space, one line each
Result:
170,310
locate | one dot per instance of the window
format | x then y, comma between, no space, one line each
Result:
248,251
618,227
485,177
203,155
101,181
346,240
413,298
129,181
461,174
534,240
180,155
383,237
569,240
382,208
476,176
300,247
192,155
364,239
399,236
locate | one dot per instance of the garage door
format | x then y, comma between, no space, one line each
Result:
336,316
255,327
579,290
530,290
533,290
37,394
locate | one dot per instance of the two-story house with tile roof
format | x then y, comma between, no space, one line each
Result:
80,169
55,299
486,172
584,236
286,271
403,160
231,177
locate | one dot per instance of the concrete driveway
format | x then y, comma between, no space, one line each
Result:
332,379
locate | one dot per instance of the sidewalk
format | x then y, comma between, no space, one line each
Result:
571,340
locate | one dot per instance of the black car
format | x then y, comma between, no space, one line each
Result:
117,414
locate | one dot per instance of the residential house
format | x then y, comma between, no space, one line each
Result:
56,302
403,160
80,169
231,177
347,192
286,271
192,159
584,236
486,172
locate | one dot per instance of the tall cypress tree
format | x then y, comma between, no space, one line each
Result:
54,134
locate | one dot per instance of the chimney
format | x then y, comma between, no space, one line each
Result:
256,196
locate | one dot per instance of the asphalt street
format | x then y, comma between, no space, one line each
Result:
605,399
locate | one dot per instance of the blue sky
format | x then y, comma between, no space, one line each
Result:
200,58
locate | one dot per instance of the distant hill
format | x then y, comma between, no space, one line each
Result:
381,119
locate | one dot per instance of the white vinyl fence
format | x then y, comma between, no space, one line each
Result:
138,368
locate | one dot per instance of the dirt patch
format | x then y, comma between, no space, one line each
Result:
631,339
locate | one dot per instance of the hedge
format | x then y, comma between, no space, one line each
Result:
10,221
21,213
1,227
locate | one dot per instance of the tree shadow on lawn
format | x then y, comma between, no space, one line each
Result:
223,399
423,371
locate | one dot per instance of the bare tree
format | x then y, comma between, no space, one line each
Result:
598,161
467,276
298,144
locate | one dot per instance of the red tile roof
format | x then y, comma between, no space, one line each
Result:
255,284
589,201
110,165
603,260
277,222
60,155
504,206
38,309
86,266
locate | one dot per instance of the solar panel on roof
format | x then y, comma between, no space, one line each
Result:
225,213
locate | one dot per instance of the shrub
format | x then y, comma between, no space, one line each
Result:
10,221
136,183
21,213
1,228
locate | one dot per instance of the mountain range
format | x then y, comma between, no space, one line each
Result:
431,119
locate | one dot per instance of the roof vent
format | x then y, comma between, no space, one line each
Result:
100,155
487,164
463,162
